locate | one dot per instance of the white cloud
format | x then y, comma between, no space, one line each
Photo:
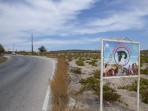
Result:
50,17
41,17
116,22
119,20
66,42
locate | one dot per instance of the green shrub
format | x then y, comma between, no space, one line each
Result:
85,88
90,80
144,95
76,70
93,62
97,74
144,71
144,59
109,94
91,83
80,63
83,81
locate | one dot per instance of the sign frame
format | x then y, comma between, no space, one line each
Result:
109,77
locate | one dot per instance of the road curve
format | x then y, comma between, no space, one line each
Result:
23,83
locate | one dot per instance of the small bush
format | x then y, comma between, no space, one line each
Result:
76,70
90,80
91,83
110,94
70,59
93,63
144,59
80,63
85,87
144,95
97,74
144,71
83,81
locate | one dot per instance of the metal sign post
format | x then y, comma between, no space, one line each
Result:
119,58
101,78
138,83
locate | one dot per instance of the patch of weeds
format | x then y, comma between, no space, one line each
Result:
80,63
90,80
76,70
93,62
85,88
97,74
91,83
143,89
95,56
144,59
110,94
144,71
59,86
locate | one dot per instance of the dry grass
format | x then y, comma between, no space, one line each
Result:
3,59
59,87
51,55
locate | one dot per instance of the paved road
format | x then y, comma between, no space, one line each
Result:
23,83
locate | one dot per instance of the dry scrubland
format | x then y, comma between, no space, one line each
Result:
76,86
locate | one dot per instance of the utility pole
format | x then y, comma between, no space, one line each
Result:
13,52
32,43
13,47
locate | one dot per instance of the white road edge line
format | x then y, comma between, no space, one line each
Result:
45,105
46,100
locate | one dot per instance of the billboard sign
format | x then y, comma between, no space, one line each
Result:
120,58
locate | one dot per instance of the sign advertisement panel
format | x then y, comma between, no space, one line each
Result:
120,58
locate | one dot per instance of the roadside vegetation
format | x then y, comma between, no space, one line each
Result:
92,62
144,62
144,71
93,83
84,78
76,70
80,62
59,87
2,50
144,59
3,59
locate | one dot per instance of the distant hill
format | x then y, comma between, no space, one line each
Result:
75,51
144,52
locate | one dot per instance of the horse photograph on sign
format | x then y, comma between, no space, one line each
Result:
120,58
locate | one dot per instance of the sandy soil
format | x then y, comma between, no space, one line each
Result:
87,101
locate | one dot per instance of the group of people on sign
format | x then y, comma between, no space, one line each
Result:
116,70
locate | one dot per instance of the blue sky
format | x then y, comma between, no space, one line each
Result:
71,24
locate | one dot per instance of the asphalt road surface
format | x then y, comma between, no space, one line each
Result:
23,83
